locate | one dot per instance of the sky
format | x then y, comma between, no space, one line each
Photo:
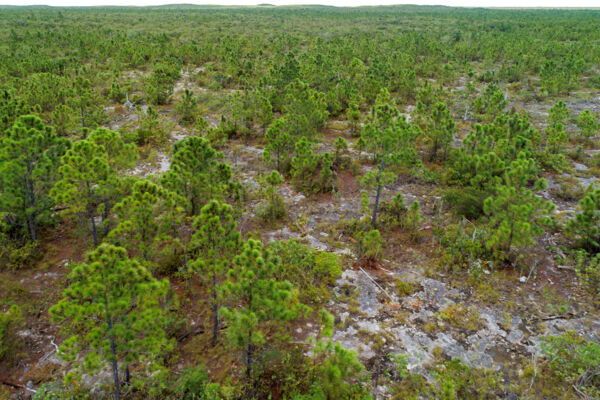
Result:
457,3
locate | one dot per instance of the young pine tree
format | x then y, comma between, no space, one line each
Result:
439,130
215,243
261,300
148,220
112,312
587,125
515,212
353,117
279,145
274,207
30,154
585,227
391,141
196,173
187,108
85,181
120,157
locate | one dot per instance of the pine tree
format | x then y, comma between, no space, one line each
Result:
279,145
587,124
120,156
337,372
112,312
148,220
390,139
353,117
215,242
585,227
261,300
63,120
196,173
187,108
439,129
11,107
85,180
490,104
515,212
556,136
152,128
87,104
305,109
274,208
30,153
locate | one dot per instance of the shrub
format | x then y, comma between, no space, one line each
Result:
273,208
10,343
588,272
193,384
308,270
466,202
370,245
575,361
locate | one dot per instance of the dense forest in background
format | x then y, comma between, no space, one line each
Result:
299,202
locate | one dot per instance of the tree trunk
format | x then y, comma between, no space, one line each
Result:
30,205
215,309
82,116
91,213
113,351
249,357
374,218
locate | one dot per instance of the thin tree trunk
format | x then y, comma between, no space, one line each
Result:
215,309
30,204
249,357
113,351
374,218
91,213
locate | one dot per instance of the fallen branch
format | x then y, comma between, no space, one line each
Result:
565,267
376,284
55,345
17,386
194,332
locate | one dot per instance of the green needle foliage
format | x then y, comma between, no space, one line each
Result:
113,315
11,107
337,372
196,173
587,125
439,128
262,300
311,172
490,104
391,141
515,212
30,153
148,222
585,227
353,116
85,180
121,155
556,136
188,109
215,243
279,145
273,208
305,109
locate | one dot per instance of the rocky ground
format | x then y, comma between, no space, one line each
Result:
404,307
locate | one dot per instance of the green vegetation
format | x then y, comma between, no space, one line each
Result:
188,192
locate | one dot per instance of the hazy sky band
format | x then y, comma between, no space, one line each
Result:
352,3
